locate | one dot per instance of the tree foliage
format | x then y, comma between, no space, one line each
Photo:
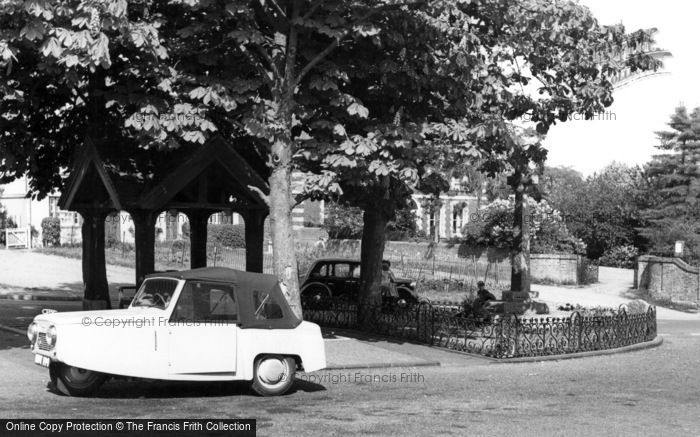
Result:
345,222
367,96
672,201
548,232
603,209
55,57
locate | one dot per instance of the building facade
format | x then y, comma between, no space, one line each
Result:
440,220
27,213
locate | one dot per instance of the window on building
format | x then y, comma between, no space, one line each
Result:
53,206
456,221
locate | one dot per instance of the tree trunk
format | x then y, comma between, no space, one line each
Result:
96,292
198,238
280,201
371,255
144,240
254,240
520,270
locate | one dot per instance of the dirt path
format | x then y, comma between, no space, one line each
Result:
613,289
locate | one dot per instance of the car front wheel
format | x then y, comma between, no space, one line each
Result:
74,381
274,375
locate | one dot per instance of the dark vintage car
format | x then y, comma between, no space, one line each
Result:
340,278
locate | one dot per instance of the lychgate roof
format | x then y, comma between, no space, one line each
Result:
216,176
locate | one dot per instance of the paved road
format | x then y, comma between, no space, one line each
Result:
650,392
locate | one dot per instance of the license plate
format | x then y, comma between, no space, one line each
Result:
42,360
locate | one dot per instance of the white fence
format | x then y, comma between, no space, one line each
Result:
18,238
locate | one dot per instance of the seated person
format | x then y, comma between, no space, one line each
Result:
483,297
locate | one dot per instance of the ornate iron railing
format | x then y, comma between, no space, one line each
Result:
498,336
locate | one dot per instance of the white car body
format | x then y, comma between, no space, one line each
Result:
145,342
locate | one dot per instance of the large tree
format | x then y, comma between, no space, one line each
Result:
543,59
388,84
673,192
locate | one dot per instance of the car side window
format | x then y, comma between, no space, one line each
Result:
342,270
320,270
266,306
355,273
204,302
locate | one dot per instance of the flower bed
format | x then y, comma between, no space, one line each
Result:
444,326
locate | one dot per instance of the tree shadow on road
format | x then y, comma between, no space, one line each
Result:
12,340
336,333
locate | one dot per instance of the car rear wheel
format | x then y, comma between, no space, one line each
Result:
407,295
315,296
74,381
315,291
274,375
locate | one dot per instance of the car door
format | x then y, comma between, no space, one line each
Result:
352,285
338,277
203,330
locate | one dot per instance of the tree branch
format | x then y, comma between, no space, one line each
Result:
325,52
264,197
292,43
311,10
257,64
278,8
321,56
298,199
266,56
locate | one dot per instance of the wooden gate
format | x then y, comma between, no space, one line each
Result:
17,238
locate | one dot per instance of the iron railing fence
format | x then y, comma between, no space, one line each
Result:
445,326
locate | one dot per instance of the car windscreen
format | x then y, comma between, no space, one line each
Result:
155,293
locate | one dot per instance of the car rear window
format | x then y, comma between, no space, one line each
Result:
266,306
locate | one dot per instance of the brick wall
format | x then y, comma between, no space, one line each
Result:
668,278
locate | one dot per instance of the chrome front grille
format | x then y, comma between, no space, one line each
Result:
42,343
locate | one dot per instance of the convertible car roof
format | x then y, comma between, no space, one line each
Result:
246,284
222,274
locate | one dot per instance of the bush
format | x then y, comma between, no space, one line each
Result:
180,244
619,256
548,233
51,231
111,242
226,235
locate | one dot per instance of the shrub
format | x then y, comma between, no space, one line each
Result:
620,256
226,235
180,244
493,227
111,241
51,231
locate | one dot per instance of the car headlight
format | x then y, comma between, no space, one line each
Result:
32,332
51,336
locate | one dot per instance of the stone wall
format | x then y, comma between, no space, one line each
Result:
558,268
667,279
544,268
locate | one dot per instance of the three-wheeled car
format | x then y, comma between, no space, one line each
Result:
208,324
